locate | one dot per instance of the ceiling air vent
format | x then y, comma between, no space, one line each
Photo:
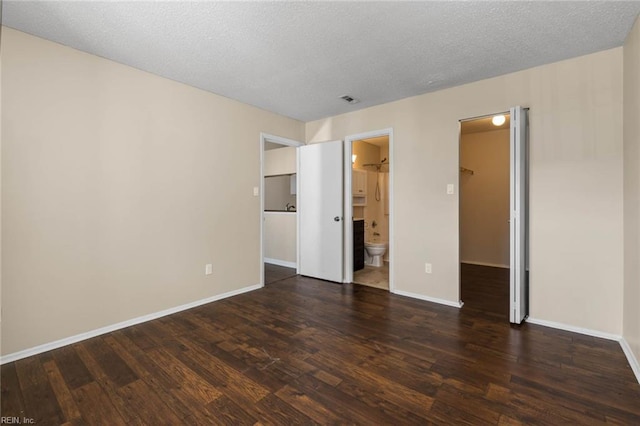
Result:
349,99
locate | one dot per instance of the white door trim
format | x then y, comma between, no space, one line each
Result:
348,204
518,152
265,137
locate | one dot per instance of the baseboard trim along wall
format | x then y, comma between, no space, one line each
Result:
493,265
633,361
574,329
428,299
103,330
280,263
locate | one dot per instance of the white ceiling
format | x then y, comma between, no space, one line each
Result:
298,58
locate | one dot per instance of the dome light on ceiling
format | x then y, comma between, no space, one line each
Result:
498,120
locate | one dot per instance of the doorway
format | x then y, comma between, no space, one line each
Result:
369,209
278,212
484,214
493,214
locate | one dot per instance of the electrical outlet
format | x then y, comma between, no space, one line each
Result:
256,191
427,268
208,269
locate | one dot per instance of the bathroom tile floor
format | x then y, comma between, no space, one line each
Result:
373,276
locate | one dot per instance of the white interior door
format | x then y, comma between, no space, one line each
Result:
519,275
320,210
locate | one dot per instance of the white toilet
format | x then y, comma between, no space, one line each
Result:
375,251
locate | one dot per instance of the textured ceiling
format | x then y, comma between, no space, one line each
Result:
298,58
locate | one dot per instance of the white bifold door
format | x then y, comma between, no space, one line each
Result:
519,221
320,210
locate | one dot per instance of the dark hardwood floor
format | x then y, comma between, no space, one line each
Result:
274,273
484,288
303,351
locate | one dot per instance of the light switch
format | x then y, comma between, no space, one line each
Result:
450,189
256,191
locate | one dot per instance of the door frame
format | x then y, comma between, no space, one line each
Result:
527,176
348,204
266,137
519,222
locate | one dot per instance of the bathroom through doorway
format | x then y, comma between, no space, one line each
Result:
368,201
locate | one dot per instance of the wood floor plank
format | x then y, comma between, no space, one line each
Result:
227,412
306,405
533,407
376,385
155,378
381,403
485,288
11,398
304,351
191,384
229,352
41,404
148,406
442,413
467,402
272,410
63,394
274,273
234,383
104,381
73,370
114,367
96,407
347,407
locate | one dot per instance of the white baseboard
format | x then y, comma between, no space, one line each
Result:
633,361
103,330
428,299
493,265
280,263
574,329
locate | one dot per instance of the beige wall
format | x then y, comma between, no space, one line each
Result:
280,161
484,198
277,192
366,153
280,237
576,183
118,186
631,328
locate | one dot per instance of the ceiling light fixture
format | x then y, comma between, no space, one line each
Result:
498,120
349,99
